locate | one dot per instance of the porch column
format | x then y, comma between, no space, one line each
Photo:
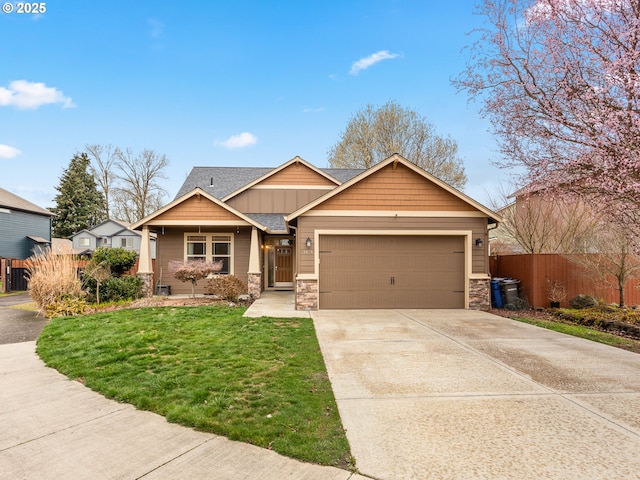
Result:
254,277
145,269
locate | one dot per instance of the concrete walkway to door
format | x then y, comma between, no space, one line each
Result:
456,394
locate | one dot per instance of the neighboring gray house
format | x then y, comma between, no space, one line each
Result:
110,234
24,226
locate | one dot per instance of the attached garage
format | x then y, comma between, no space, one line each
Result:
394,237
391,271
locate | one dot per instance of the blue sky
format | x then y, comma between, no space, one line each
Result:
225,83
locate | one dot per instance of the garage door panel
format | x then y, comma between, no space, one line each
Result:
378,271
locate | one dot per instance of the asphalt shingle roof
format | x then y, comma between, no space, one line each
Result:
273,221
222,181
11,201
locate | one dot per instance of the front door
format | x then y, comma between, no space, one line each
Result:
284,266
279,261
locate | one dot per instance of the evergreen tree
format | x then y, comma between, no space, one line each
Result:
79,203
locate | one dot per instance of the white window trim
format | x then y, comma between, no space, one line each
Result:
209,243
128,242
84,241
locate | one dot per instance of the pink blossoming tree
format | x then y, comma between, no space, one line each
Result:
560,83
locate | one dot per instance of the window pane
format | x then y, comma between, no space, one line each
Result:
196,249
196,238
221,248
225,264
221,238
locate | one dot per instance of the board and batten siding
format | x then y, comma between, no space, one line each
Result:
478,225
170,247
274,200
15,226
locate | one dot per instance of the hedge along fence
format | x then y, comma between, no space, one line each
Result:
533,271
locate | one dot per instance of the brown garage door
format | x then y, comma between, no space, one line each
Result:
387,271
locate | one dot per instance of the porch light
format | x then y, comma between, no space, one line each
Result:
479,242
308,242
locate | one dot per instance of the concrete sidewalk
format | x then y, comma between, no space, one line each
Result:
278,304
55,428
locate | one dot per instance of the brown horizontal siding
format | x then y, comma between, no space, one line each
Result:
297,174
308,225
533,270
273,200
399,189
197,208
170,247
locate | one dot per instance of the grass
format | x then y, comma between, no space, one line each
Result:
584,332
261,381
12,293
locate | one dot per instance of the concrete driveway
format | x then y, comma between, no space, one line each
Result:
450,394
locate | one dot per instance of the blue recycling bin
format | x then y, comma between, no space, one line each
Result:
496,296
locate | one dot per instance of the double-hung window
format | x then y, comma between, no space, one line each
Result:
210,247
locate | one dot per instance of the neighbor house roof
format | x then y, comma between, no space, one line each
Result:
12,201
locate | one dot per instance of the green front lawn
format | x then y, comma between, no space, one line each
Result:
256,380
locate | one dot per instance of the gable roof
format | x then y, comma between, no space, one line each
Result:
12,201
222,182
295,160
195,193
395,159
86,232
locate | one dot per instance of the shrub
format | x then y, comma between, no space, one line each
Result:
127,287
53,281
583,301
194,270
119,260
67,306
227,287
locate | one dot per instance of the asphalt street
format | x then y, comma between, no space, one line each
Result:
16,324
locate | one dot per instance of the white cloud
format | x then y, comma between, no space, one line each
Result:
313,110
239,141
371,60
31,95
8,152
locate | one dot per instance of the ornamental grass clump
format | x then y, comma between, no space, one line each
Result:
54,284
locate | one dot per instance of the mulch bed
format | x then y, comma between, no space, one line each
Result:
604,321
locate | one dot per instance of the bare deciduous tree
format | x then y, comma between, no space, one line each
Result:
139,192
539,222
614,264
374,134
103,162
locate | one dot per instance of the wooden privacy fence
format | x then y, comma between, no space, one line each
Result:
533,271
18,269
